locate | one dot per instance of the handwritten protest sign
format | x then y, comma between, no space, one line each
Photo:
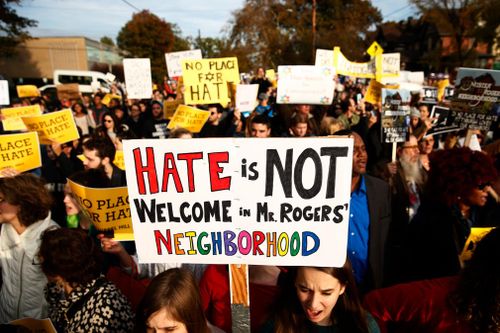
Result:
27,91
324,58
189,118
69,91
475,104
475,236
57,126
205,80
34,325
108,209
118,161
4,92
389,64
12,116
246,97
395,111
20,151
276,201
305,84
174,59
374,92
169,107
138,77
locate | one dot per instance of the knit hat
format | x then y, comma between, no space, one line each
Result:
262,96
414,112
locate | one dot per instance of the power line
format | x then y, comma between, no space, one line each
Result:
397,11
131,5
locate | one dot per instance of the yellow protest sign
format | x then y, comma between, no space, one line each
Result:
271,74
118,161
382,65
374,92
107,208
205,79
375,49
58,126
12,116
169,107
20,151
441,85
27,91
476,234
189,118
108,97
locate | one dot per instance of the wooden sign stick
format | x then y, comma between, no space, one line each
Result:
240,299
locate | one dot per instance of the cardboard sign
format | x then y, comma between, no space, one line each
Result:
324,58
475,104
375,49
110,77
169,107
35,325
118,161
276,201
138,77
383,65
205,80
189,118
305,85
27,91
58,126
475,236
174,60
4,92
374,92
20,151
12,117
395,112
66,92
246,97
107,208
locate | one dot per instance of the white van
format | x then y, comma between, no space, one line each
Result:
89,81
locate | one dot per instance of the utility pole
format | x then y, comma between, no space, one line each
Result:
313,28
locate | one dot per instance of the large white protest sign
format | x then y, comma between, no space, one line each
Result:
174,59
305,85
390,64
277,201
138,77
324,58
4,92
246,97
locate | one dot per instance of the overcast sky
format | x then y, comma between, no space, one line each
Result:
97,18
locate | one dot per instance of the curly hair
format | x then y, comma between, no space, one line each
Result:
70,254
347,313
29,193
454,173
477,297
176,291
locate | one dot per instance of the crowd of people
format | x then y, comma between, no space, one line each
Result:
410,218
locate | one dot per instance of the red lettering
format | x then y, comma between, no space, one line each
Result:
217,183
258,238
189,157
149,168
161,240
171,169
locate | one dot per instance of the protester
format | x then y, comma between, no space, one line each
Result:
110,126
299,126
24,216
155,125
79,298
84,118
100,153
260,127
426,147
99,109
323,299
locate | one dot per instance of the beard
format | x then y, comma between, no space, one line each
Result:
413,171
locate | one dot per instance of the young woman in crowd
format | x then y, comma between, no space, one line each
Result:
321,299
24,215
110,126
172,304
83,118
80,300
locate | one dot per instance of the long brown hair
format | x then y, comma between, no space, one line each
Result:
176,291
348,315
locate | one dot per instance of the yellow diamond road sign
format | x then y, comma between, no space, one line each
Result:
375,49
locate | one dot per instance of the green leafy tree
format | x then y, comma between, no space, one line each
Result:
275,32
180,43
148,36
107,41
12,27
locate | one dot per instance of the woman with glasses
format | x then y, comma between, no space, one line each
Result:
454,201
110,126
24,215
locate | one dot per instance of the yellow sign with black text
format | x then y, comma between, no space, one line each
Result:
12,116
20,151
56,126
189,118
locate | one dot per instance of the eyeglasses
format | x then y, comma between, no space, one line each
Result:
108,121
482,186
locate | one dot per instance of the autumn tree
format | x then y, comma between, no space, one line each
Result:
12,27
107,41
148,36
275,32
